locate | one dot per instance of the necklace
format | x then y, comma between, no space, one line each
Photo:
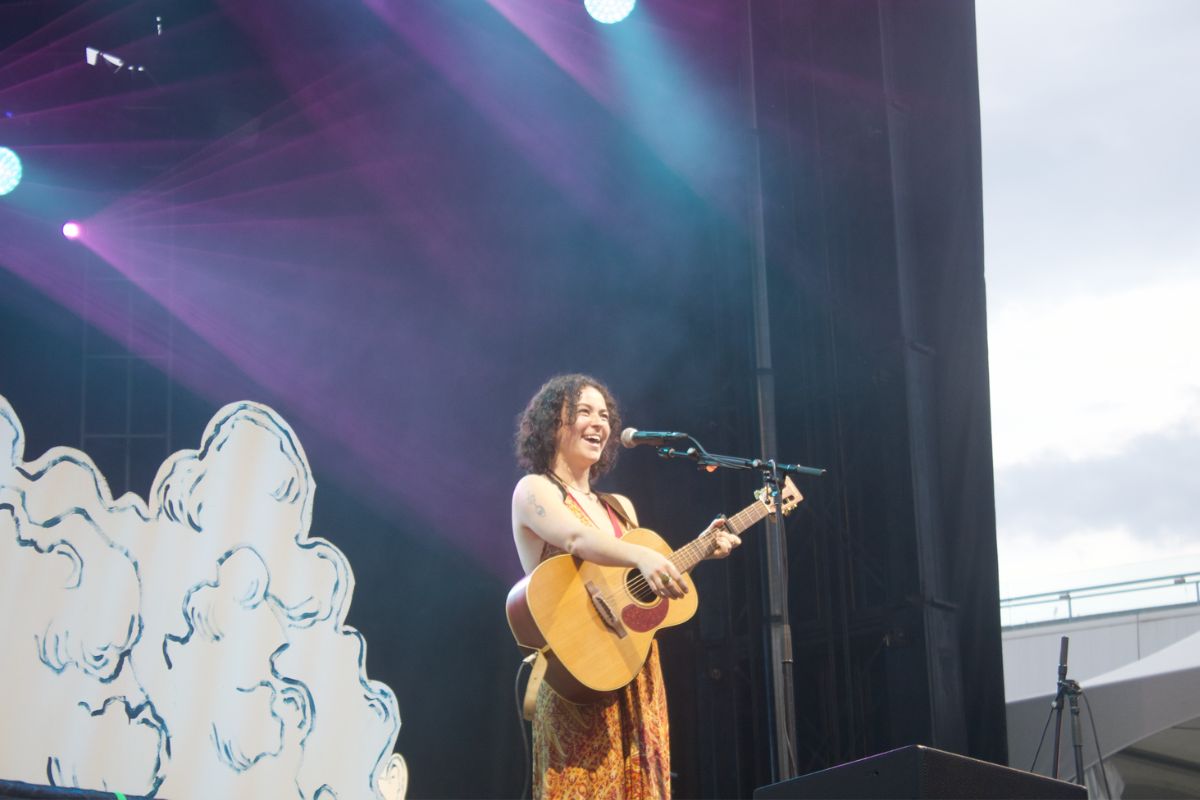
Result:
569,485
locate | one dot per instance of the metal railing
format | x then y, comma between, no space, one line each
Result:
1105,598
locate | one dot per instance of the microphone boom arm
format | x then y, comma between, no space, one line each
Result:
712,461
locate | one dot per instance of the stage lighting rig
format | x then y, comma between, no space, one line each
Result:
609,11
10,170
95,57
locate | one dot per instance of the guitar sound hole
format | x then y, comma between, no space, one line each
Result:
638,587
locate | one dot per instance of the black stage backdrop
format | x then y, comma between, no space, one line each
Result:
428,213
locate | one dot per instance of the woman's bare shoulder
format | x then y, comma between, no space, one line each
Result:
533,483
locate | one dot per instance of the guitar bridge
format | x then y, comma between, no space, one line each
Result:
605,610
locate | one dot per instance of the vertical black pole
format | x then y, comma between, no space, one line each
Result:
781,714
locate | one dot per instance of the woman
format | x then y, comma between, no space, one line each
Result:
616,747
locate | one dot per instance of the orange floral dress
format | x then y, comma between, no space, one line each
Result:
615,748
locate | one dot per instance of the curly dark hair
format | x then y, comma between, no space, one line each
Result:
538,424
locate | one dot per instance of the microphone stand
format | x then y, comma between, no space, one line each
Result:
1069,690
770,468
781,712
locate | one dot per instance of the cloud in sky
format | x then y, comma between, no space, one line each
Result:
1082,376
1089,119
1090,202
1145,487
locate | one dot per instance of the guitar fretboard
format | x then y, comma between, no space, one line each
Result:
695,551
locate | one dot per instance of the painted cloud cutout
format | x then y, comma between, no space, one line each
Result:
193,648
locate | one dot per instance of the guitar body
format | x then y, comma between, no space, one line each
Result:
597,629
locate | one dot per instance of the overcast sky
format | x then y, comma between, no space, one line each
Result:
1091,154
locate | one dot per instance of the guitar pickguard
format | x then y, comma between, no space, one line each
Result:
642,619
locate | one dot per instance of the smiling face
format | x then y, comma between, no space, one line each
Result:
548,426
581,440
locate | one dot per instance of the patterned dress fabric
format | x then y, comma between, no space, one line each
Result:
616,748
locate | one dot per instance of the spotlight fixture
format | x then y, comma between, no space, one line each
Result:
72,229
609,11
98,58
10,170
95,56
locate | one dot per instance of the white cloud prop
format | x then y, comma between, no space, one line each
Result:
193,648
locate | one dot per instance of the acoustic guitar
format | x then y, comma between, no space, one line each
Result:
595,624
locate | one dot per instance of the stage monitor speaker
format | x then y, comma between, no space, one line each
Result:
922,773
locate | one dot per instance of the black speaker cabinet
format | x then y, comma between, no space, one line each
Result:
921,772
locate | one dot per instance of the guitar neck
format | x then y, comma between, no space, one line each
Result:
695,551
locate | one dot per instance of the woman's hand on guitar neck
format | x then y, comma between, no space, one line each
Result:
723,541
663,576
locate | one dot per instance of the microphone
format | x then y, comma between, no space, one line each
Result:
632,437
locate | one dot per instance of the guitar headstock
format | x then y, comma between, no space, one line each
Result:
790,496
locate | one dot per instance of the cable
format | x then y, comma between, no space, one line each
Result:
1041,741
524,737
1096,739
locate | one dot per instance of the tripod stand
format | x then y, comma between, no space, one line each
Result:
1069,691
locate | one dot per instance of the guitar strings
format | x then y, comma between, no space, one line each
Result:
735,524
639,583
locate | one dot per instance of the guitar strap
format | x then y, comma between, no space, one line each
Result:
617,509
536,675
